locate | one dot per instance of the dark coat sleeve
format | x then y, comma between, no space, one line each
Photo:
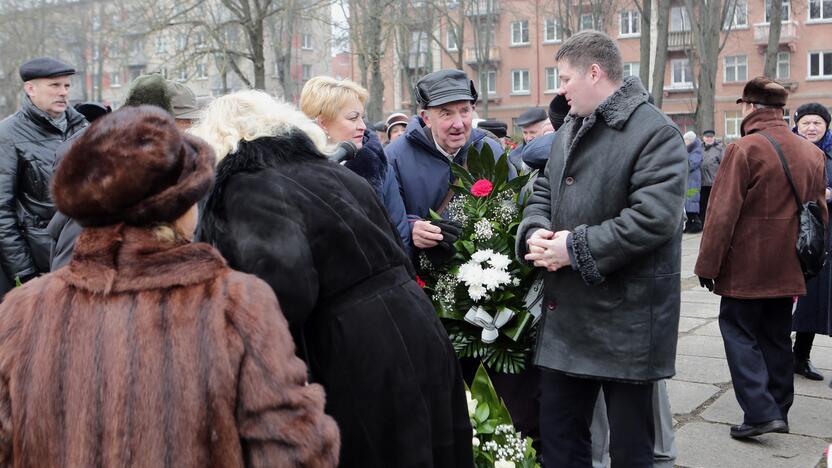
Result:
392,198
14,251
654,212
280,417
268,239
64,231
537,214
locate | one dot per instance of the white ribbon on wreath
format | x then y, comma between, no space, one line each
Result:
476,315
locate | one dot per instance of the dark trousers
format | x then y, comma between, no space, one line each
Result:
704,195
759,351
566,407
803,345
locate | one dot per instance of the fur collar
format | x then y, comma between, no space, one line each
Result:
615,110
370,163
122,258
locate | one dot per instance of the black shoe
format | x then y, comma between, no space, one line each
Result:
745,430
805,368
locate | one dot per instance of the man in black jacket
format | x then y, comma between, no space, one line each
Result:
28,140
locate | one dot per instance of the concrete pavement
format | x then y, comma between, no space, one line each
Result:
703,402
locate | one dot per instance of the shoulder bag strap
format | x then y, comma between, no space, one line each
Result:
785,168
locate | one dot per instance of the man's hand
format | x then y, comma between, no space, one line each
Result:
548,250
425,235
707,283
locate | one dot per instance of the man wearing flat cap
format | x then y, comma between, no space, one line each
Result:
440,134
28,140
534,123
747,254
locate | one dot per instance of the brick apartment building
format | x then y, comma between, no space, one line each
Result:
522,72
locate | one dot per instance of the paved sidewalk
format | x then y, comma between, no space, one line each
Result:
703,400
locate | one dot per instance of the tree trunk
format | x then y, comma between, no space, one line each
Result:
707,26
662,24
258,55
773,47
644,68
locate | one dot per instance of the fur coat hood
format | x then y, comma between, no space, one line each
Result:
370,163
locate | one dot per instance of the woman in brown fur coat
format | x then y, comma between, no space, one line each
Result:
147,350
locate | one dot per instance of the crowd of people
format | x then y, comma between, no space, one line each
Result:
198,282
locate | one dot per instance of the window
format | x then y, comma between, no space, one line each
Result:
490,78
520,32
520,82
451,39
115,79
631,69
306,72
733,119
201,71
182,75
740,17
162,71
552,84
630,23
418,49
485,34
820,10
160,44
679,20
783,65
199,39
682,76
96,52
552,32
306,41
820,64
587,22
736,68
785,14
181,42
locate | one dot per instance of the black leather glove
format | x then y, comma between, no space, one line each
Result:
444,251
706,283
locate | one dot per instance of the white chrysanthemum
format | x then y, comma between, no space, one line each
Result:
493,278
482,255
475,442
476,292
500,261
470,273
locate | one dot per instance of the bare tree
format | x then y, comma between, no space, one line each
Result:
368,35
483,17
774,26
662,13
707,22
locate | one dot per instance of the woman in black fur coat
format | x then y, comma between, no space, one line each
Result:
317,233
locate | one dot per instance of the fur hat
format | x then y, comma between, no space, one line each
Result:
132,166
396,118
150,90
812,108
762,90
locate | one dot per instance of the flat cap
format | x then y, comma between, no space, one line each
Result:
44,67
444,86
499,129
532,116
764,91
708,132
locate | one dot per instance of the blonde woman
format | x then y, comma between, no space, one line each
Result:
337,106
318,235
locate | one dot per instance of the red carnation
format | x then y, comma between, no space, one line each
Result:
419,281
482,188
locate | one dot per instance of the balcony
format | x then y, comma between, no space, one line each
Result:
470,56
679,40
788,33
482,8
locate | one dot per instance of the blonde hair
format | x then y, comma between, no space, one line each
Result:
324,97
249,115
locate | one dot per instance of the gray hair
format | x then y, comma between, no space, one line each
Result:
588,47
689,136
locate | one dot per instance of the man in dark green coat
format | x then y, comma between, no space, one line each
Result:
605,220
